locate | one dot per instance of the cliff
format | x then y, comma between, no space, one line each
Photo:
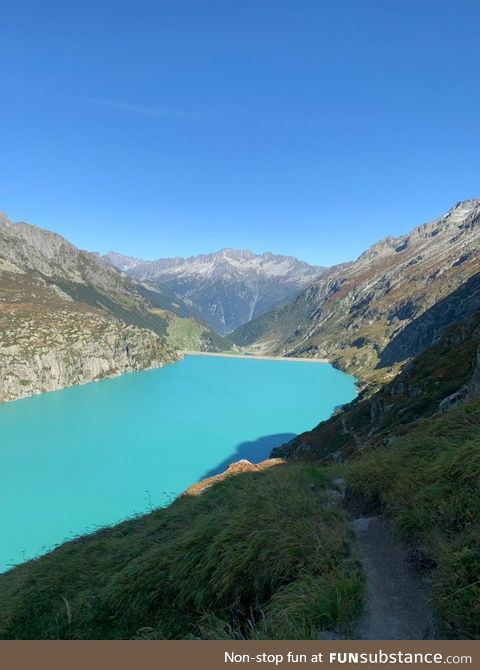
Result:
68,318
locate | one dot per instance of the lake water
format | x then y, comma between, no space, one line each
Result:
89,456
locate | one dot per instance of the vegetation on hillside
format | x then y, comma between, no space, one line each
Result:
416,392
258,555
189,334
412,452
88,294
428,483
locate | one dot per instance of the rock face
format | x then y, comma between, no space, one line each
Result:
85,347
227,288
473,386
390,304
467,392
66,317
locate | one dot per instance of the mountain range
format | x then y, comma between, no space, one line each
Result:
394,301
366,316
225,289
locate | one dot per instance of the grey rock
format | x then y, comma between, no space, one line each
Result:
452,400
227,288
473,387
67,317
465,393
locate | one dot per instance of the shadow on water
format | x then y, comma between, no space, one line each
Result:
255,451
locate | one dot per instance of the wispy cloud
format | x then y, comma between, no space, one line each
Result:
154,111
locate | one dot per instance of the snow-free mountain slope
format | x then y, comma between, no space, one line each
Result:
67,317
387,305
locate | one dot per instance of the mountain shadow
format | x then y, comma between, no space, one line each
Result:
426,329
255,451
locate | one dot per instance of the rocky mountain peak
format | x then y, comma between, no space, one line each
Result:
120,261
465,205
228,287
4,220
461,216
238,254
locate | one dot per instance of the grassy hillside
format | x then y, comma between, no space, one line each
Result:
190,334
415,392
428,483
263,555
89,295
412,452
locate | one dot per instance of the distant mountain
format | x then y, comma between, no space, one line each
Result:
227,288
67,317
390,304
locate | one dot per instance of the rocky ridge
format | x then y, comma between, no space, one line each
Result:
226,288
394,301
68,318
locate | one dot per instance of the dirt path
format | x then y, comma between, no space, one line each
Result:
397,605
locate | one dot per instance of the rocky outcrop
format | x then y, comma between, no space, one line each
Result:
467,392
103,348
452,400
233,469
68,318
473,387
49,341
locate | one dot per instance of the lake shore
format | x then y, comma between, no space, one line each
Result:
254,356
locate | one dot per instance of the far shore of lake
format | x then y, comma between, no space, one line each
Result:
255,356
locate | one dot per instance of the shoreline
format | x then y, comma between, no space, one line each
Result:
255,357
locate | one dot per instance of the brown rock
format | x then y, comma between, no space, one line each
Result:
233,469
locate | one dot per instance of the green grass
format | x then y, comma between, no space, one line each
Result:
189,334
419,467
185,334
428,483
259,555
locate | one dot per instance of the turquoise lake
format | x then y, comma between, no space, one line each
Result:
89,456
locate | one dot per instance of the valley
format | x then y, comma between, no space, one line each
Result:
225,289
403,320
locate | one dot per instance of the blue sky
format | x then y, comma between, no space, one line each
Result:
175,127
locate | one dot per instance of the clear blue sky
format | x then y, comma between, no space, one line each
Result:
173,127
